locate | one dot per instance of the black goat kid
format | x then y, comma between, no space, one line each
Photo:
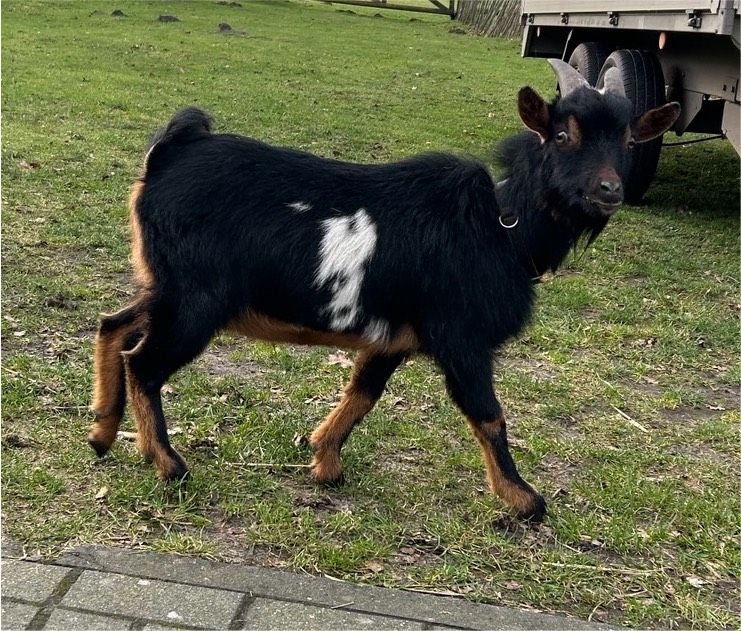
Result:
229,233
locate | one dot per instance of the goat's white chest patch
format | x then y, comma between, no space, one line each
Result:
348,244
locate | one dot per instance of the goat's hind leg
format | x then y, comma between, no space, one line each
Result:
170,343
117,333
370,374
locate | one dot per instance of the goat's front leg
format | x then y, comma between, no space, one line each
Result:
370,374
469,382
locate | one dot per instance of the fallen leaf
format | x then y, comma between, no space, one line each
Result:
696,581
339,359
101,493
374,566
167,389
29,165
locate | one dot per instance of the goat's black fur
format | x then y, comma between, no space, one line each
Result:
393,258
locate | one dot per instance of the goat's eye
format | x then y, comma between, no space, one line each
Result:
631,142
561,137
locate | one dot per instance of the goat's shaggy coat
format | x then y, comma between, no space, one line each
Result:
391,259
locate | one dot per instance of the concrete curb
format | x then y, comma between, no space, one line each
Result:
98,587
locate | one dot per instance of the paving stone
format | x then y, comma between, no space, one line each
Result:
30,581
154,600
267,582
11,549
79,621
275,614
16,615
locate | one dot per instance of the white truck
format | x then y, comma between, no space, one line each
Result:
665,50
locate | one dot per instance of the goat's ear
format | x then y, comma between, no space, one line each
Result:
534,112
655,122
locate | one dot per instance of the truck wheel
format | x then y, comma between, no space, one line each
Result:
588,58
643,80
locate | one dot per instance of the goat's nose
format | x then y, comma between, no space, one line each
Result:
610,186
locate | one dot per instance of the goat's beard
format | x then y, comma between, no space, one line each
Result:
581,217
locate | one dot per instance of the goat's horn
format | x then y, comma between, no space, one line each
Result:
568,78
613,83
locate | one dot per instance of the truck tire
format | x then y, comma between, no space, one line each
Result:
643,80
588,58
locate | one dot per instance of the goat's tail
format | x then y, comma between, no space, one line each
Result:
186,126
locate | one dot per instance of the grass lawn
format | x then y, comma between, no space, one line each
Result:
621,396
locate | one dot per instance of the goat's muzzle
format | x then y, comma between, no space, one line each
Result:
607,192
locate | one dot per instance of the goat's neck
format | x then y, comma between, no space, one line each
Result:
543,243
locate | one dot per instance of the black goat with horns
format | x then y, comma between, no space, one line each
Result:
425,255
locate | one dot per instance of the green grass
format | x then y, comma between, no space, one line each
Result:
643,527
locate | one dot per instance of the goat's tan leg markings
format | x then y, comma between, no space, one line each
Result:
147,407
370,374
513,491
328,438
109,389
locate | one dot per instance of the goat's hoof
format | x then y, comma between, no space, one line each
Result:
326,468
100,448
334,482
536,511
175,470
327,476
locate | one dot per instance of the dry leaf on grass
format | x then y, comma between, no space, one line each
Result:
696,581
29,165
339,359
374,566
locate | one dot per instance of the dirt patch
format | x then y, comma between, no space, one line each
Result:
216,361
568,427
324,501
700,451
323,505
233,539
536,369
686,415
723,396
717,398
556,470
409,461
